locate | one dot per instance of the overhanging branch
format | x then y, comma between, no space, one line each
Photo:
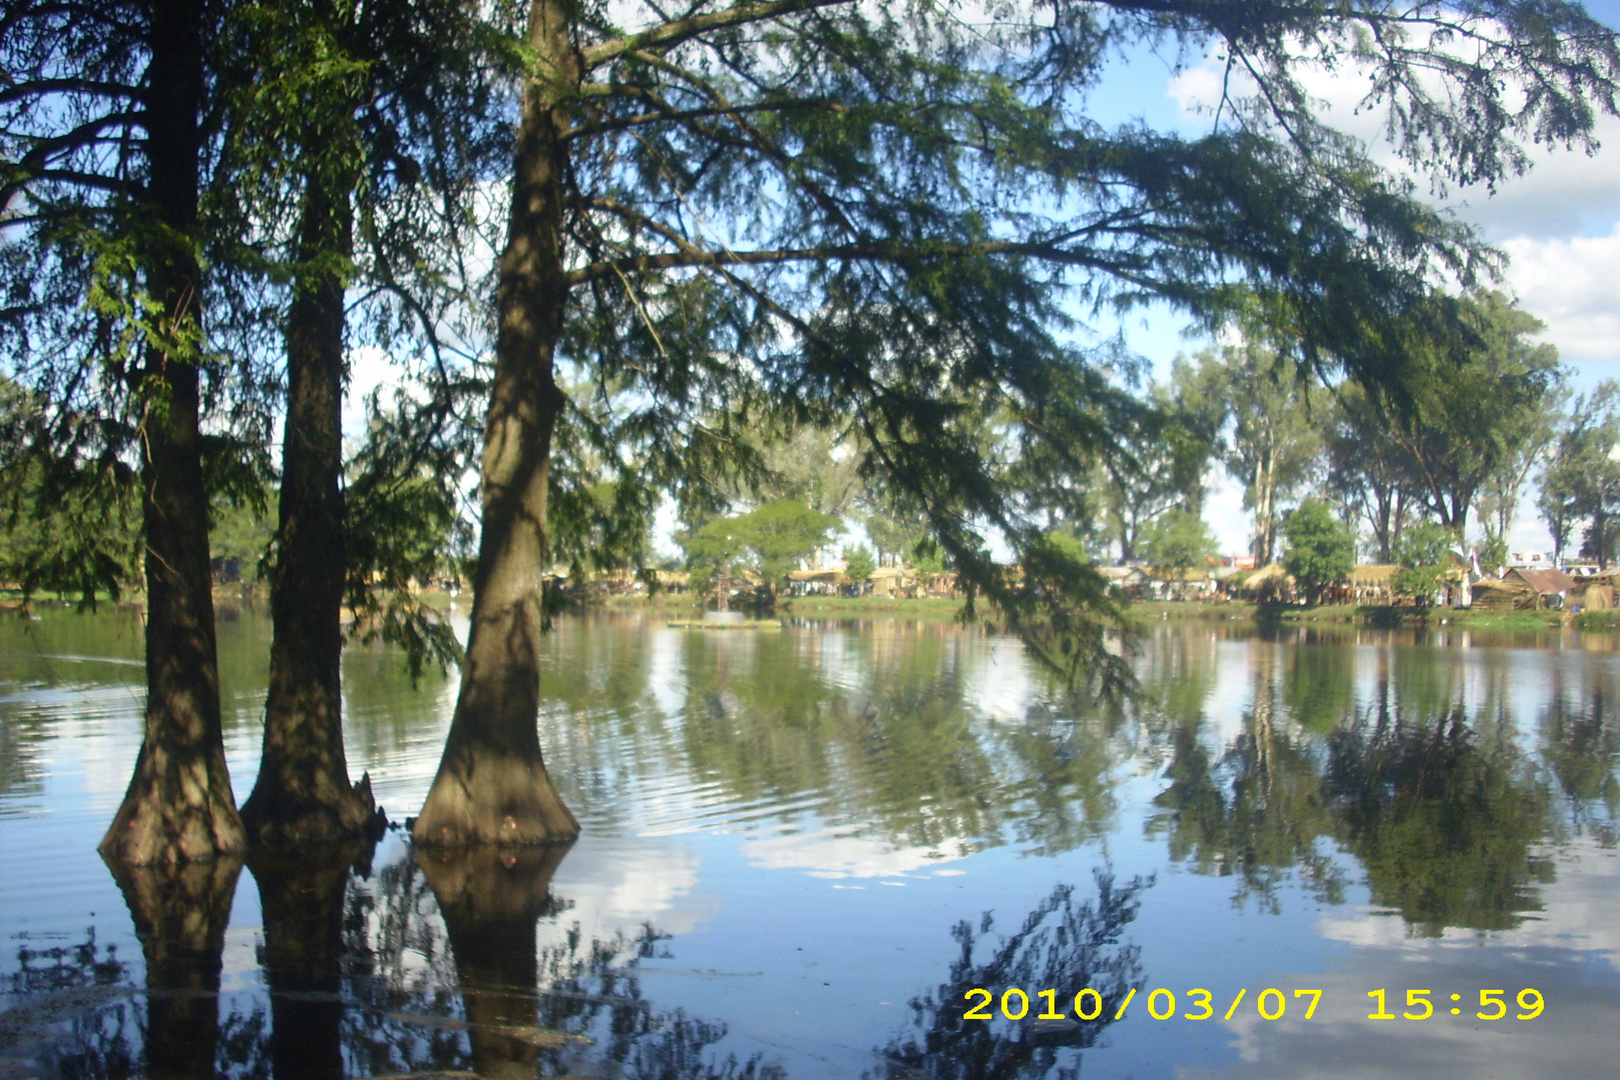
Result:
673,33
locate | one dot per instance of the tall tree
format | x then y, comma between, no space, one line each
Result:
337,114
1271,441
871,218
130,177
1474,402
1366,471
104,154
1582,479
1159,468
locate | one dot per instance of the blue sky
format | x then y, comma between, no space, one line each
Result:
1559,226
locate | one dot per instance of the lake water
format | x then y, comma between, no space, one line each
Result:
803,849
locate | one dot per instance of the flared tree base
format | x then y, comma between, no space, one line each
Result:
175,813
490,799
278,815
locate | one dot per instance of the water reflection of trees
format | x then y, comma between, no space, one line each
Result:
1256,811
888,734
1580,742
1063,944
1443,810
1443,816
879,728
428,966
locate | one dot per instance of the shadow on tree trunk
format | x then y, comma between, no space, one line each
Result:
180,914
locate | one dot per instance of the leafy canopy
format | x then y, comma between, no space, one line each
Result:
1178,540
1321,549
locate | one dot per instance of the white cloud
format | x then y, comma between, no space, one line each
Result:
827,854
1561,951
1573,285
1559,222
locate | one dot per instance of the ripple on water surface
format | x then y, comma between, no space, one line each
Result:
793,838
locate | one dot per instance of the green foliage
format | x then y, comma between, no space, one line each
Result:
770,541
1425,556
938,192
1473,397
405,529
69,522
859,563
1321,550
1366,471
1581,487
1159,464
1493,553
1269,440
1178,540
243,532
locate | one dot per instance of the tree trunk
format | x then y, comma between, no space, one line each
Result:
179,805
303,794
492,785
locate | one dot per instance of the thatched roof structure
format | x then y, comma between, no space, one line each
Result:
830,577
1273,576
1178,573
1373,573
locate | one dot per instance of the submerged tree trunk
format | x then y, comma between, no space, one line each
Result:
179,806
492,785
301,897
303,794
180,915
491,900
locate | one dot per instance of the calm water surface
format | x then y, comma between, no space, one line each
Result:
803,848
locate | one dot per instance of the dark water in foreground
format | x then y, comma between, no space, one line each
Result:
802,849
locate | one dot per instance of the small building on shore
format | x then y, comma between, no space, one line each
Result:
1180,583
1526,589
1370,583
1129,580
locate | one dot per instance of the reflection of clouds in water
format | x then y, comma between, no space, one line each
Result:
1579,910
666,671
1552,953
830,855
1001,687
1572,1038
622,885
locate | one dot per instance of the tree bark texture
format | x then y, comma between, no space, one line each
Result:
492,785
181,913
491,899
179,806
303,794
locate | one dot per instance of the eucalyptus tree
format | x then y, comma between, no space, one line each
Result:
1270,441
1582,480
873,217
1366,471
1160,455
1473,403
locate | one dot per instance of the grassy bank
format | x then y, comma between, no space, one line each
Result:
1263,614
1149,611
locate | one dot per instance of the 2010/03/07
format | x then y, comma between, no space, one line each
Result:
1271,1004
